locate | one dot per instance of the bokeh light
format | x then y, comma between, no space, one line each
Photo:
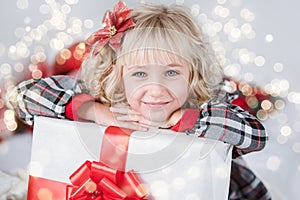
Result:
273,163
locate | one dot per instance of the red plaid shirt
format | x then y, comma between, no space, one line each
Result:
61,96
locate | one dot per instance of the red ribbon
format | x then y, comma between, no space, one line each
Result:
115,146
106,180
94,180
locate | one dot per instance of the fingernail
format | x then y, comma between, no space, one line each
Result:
144,129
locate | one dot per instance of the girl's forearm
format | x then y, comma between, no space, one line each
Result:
231,124
95,112
46,97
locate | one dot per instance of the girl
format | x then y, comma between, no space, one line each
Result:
151,68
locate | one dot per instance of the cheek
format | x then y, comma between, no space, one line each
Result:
133,92
128,87
180,90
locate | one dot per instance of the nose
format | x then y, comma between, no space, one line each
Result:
156,90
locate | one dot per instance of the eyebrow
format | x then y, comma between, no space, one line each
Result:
175,65
169,65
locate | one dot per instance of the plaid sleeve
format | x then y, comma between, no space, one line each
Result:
221,120
47,97
244,184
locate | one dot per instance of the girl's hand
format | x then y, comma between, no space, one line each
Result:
102,115
123,113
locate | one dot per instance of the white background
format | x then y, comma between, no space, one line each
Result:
279,163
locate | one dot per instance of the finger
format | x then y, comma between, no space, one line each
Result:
149,123
123,110
133,125
132,118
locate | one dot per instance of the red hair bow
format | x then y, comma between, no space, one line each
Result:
115,23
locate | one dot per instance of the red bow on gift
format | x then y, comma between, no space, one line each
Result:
94,180
115,23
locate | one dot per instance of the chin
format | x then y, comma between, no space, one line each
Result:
155,116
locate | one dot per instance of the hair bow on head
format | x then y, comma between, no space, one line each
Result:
115,23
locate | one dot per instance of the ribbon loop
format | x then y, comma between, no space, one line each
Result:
94,180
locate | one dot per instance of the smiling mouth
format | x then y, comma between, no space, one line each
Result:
155,104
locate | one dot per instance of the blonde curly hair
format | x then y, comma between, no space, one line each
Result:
167,29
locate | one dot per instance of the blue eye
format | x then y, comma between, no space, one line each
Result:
139,74
171,73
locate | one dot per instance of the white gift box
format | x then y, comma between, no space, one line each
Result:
171,165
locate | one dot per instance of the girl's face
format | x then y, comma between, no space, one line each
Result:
156,90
